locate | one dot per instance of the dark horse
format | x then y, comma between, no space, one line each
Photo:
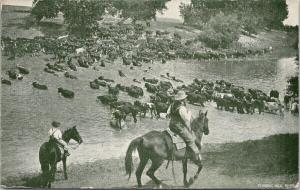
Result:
157,145
50,155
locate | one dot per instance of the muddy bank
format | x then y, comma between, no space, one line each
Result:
271,161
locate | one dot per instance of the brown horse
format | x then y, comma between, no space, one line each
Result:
50,155
157,146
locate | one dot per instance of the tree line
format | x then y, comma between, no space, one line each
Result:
82,15
222,21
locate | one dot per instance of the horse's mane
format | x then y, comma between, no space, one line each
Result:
194,122
67,130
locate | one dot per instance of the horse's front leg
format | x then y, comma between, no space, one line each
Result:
184,169
65,167
192,179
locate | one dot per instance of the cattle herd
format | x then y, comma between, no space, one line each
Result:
134,45
227,96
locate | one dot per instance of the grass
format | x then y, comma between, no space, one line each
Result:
274,155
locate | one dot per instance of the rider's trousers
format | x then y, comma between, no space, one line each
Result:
186,135
189,139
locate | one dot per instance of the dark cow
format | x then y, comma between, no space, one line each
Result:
107,99
5,81
151,88
113,90
274,94
66,93
39,86
152,81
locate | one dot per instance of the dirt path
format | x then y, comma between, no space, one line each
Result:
271,162
113,176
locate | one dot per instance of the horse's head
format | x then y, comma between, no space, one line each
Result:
72,133
200,124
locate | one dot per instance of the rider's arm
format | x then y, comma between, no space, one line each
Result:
58,136
185,115
168,111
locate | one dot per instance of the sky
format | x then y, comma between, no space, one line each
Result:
173,9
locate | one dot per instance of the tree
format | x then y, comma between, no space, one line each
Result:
46,8
139,9
221,31
82,15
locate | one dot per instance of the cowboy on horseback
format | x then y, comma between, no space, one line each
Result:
180,122
55,135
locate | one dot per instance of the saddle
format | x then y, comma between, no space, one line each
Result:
177,141
53,142
174,142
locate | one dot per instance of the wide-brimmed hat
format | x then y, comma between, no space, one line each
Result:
181,95
55,124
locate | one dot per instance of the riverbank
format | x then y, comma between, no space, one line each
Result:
271,161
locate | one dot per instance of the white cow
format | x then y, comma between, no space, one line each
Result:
80,50
273,107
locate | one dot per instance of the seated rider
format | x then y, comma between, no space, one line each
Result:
180,122
55,134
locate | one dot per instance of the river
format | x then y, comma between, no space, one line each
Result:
28,112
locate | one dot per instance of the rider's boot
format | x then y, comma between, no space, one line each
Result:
196,152
66,153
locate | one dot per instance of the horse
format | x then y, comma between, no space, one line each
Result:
50,155
157,146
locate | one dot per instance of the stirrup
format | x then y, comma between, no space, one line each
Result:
66,153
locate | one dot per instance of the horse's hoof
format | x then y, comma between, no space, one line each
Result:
158,186
191,181
186,184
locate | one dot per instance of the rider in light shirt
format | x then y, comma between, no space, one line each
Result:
56,134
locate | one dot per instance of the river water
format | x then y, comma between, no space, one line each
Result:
27,112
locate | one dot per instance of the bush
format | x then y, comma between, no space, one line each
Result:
221,31
252,14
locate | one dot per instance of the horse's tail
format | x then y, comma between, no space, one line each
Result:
128,158
44,161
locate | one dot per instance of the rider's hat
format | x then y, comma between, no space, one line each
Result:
55,124
181,95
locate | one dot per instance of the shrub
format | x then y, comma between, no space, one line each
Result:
221,31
